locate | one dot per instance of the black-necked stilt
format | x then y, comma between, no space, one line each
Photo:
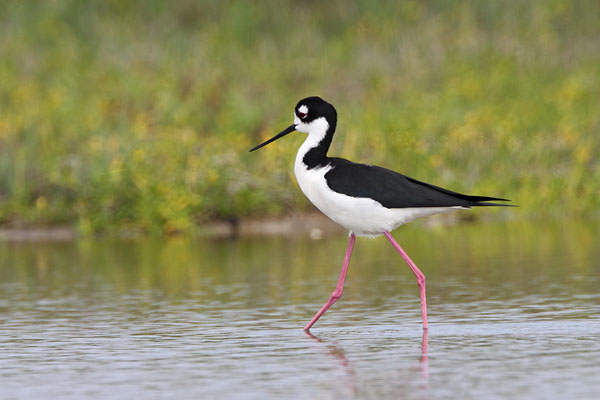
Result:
365,199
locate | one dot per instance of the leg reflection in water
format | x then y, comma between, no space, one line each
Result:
339,354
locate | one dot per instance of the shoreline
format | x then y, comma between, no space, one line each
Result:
311,224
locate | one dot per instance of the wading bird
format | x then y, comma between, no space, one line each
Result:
365,199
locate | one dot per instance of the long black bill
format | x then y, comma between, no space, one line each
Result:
281,134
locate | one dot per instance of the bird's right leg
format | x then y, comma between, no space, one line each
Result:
418,274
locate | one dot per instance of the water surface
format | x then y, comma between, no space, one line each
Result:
513,308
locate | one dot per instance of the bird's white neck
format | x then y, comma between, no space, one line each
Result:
317,130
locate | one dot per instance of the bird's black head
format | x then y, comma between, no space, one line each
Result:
311,108
311,115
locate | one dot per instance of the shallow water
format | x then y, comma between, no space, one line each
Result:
513,313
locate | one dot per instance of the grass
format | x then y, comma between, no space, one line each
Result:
138,115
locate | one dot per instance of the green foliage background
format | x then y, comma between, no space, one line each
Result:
139,114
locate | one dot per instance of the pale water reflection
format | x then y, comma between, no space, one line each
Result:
514,313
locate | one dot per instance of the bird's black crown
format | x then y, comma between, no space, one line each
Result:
316,108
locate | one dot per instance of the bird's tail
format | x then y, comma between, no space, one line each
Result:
482,201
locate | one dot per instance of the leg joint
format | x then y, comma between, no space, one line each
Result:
337,294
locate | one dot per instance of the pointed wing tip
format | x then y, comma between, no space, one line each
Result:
483,203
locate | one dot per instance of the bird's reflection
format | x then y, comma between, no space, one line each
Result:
338,353
335,351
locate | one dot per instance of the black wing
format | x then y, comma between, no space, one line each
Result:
394,190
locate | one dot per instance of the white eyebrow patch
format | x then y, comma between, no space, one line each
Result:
303,109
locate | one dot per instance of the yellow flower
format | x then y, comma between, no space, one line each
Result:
41,203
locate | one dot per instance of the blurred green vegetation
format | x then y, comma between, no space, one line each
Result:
139,114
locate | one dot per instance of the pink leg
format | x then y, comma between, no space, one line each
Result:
424,346
337,293
418,274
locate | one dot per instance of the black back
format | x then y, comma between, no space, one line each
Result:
394,190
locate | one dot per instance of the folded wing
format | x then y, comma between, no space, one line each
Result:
394,190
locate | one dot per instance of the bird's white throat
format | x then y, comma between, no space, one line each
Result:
316,130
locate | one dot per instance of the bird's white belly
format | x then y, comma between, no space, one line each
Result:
363,216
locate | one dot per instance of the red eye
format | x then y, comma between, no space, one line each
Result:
301,115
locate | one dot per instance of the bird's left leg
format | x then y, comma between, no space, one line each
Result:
418,274
337,293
